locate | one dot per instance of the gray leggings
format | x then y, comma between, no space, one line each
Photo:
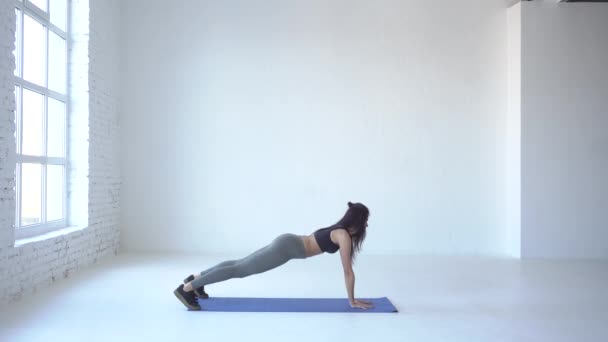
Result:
282,249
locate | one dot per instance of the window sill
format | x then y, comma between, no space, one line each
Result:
46,236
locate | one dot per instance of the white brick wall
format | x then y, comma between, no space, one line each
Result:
36,265
7,129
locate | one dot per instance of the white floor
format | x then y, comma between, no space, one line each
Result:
129,298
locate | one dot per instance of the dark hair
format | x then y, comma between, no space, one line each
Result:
355,223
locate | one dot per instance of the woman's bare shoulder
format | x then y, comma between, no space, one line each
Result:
340,235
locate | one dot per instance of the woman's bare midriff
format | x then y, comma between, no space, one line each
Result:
311,245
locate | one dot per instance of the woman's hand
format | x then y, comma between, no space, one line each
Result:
361,304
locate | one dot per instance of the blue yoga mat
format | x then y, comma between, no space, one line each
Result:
231,304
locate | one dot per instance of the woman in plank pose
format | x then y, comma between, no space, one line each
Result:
346,235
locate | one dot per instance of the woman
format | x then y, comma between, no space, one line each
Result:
346,235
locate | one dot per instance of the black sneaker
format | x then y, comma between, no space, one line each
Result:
187,298
199,292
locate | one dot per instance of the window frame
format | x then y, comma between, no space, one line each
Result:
27,7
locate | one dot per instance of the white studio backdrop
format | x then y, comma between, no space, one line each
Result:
243,120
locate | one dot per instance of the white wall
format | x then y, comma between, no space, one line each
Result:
564,130
512,125
244,120
7,126
26,268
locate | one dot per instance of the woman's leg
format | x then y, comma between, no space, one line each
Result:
281,250
220,265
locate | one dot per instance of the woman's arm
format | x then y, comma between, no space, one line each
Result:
344,242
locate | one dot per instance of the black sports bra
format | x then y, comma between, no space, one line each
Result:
324,240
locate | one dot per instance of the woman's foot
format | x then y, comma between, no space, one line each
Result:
200,292
187,298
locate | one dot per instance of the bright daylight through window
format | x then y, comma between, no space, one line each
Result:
42,104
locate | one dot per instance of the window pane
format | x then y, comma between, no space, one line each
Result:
40,4
34,51
33,111
18,116
57,63
56,128
58,13
31,185
17,51
54,192
17,187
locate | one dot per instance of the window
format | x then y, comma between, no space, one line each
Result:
42,104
